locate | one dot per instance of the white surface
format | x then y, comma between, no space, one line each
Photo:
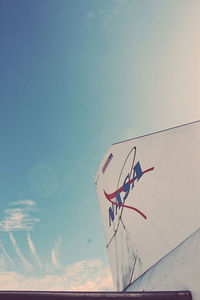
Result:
168,196
178,271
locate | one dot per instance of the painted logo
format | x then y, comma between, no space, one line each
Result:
134,175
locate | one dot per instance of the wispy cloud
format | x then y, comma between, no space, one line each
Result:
25,262
88,275
55,253
24,202
18,218
33,251
6,254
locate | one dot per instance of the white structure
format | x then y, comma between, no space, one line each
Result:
149,196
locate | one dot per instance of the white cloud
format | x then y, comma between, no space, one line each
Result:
90,275
18,218
27,266
27,202
54,259
6,254
54,254
33,251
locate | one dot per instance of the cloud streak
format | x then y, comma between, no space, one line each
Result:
54,255
27,266
6,254
33,251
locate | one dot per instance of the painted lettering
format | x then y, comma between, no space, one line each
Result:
127,185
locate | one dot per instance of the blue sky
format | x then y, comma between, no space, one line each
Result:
77,76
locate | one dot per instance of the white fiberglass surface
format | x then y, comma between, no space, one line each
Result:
149,198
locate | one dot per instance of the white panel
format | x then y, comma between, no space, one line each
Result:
177,271
163,206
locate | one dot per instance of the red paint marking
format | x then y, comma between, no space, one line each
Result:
113,195
148,170
131,207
